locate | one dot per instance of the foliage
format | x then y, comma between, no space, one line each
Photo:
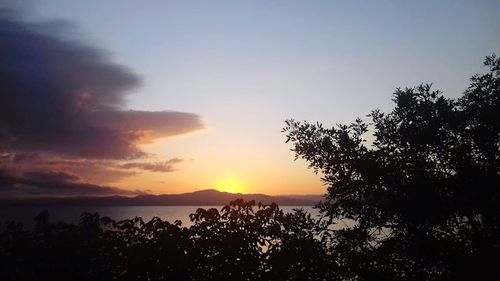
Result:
243,241
420,185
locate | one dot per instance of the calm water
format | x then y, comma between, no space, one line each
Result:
72,214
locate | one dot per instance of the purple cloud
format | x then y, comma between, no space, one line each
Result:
61,119
53,183
60,96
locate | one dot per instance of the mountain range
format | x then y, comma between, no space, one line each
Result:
209,197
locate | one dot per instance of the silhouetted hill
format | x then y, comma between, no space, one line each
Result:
207,197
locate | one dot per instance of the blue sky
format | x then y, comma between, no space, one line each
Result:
246,66
353,52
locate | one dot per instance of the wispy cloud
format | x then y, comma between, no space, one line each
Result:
165,166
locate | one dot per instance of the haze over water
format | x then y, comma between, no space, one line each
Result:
67,214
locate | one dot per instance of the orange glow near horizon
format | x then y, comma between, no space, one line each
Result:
210,163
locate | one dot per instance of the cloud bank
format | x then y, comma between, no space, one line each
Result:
53,183
62,99
60,96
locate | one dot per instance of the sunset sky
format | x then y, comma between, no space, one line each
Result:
129,97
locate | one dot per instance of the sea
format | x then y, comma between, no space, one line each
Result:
69,214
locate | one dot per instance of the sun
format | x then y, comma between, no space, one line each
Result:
230,185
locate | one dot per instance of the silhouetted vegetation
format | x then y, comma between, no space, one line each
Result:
243,241
412,195
420,185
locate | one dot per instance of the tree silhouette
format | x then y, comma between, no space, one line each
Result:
242,241
246,241
421,199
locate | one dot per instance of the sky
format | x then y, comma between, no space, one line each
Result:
132,97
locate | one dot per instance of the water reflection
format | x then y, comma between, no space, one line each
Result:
72,214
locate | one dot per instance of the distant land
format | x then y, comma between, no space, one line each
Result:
209,197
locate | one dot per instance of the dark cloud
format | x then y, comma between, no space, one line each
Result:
25,158
166,166
60,96
53,183
93,171
62,127
50,176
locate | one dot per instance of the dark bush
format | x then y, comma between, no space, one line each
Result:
243,241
